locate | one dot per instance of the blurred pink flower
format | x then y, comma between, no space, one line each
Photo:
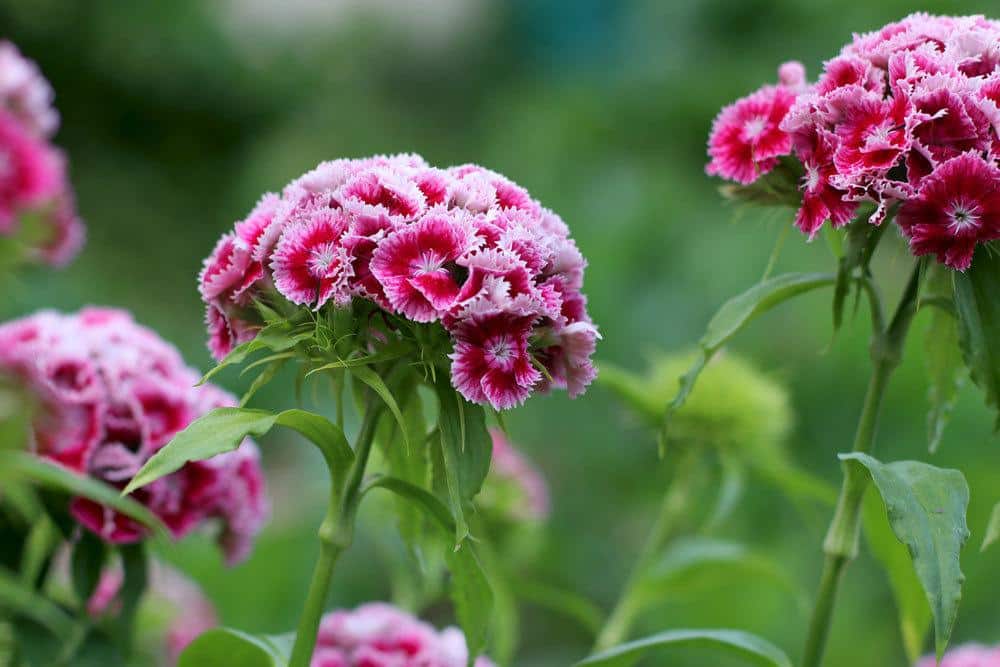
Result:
111,394
380,635
510,467
969,655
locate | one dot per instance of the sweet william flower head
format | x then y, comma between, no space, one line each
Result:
461,266
111,394
380,635
900,118
37,206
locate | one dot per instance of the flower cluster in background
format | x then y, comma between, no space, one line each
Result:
174,612
378,634
36,200
463,247
111,393
515,487
969,655
905,115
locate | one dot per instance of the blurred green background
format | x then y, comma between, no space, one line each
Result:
177,115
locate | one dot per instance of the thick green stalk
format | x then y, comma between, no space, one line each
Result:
335,536
674,505
841,544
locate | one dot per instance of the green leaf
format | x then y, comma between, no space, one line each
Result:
943,360
135,577
977,300
262,379
43,539
566,603
912,607
755,650
992,528
86,564
20,600
223,429
737,313
693,562
425,499
466,449
224,646
926,510
390,353
57,478
375,382
861,239
471,595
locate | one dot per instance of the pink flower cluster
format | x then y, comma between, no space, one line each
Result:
188,612
969,655
908,115
380,635
462,246
33,179
511,469
111,393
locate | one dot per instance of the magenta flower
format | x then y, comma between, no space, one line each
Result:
464,251
380,635
33,181
957,206
746,139
110,395
415,264
969,655
890,111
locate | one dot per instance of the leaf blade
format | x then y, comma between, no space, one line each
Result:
976,291
753,648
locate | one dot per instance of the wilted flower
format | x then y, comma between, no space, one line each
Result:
514,488
969,655
463,250
111,394
36,201
907,114
380,635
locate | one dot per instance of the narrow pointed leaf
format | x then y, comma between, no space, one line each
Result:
466,449
223,429
977,301
86,563
372,379
472,596
435,509
21,600
262,380
753,649
926,509
57,478
276,337
945,372
992,528
737,313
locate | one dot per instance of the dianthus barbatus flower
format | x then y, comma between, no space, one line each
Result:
34,189
895,108
110,395
464,251
380,635
969,655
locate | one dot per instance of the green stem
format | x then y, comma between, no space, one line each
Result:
674,505
841,544
335,536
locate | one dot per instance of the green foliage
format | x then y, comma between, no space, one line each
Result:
978,308
926,510
471,595
753,649
853,263
945,371
466,448
223,429
733,316
86,564
224,646
21,600
912,608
